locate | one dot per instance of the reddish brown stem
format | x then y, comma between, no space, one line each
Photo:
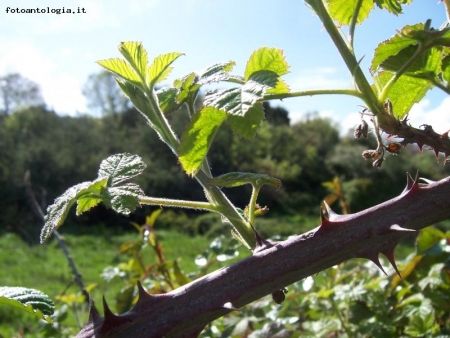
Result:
185,311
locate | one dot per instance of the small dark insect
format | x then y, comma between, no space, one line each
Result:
279,296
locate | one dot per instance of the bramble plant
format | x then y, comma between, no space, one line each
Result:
403,69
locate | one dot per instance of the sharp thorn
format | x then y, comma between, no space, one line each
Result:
374,258
229,306
141,291
93,312
389,254
396,227
107,312
331,214
426,180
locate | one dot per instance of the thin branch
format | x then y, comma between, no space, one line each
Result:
62,244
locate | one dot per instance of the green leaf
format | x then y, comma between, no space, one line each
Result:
167,99
342,10
237,101
197,138
280,88
236,179
427,65
122,69
57,212
392,6
247,125
393,46
91,198
446,68
186,85
120,168
216,73
266,59
427,238
404,92
28,300
159,70
136,55
123,199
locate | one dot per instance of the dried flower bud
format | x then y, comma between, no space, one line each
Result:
377,163
361,129
394,148
371,154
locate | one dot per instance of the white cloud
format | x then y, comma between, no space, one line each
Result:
319,78
61,90
438,118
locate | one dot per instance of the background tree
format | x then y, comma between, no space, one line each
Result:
103,95
18,92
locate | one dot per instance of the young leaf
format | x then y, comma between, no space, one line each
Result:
343,10
216,73
197,138
123,199
136,55
122,69
404,93
121,167
160,68
57,212
268,59
28,300
236,179
167,99
247,125
393,46
237,101
392,6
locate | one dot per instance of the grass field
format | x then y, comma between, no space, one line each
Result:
44,267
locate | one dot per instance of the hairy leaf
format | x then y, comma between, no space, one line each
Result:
247,125
237,101
160,68
393,46
404,93
197,138
343,10
123,199
122,69
136,55
236,179
186,86
120,168
91,198
57,212
427,65
392,6
28,300
266,59
167,99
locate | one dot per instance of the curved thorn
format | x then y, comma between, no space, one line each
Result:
374,258
107,312
229,306
396,227
93,312
426,180
331,214
389,254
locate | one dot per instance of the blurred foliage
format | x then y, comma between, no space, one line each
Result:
302,156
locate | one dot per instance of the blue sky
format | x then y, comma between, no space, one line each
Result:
59,51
